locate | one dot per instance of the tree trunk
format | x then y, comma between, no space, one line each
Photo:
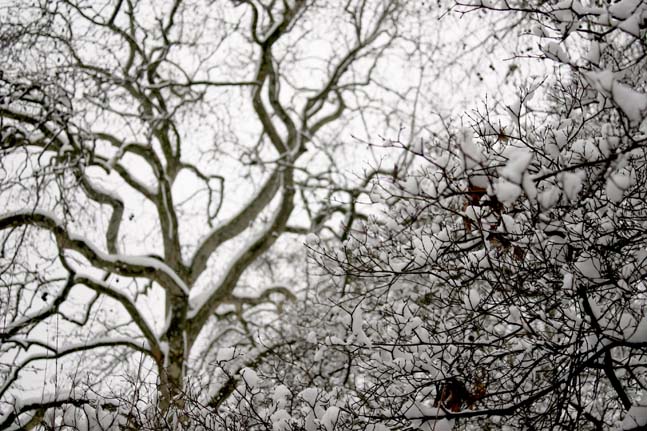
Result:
172,380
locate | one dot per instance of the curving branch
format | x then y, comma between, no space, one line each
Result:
102,196
204,307
30,413
55,353
130,307
27,321
132,266
234,226
263,298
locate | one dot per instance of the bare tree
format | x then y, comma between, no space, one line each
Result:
152,154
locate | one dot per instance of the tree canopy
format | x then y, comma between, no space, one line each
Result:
277,215
501,282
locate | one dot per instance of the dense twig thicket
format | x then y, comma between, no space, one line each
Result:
501,282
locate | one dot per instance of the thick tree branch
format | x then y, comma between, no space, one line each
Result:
133,266
202,310
234,226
